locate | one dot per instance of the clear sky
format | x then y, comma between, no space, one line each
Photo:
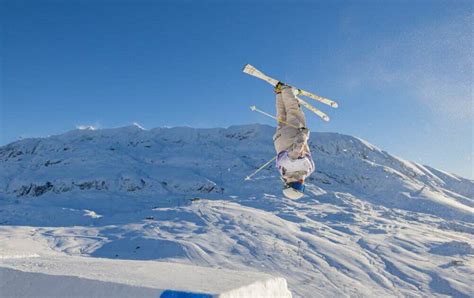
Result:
402,71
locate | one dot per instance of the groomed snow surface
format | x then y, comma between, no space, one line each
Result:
113,208
53,274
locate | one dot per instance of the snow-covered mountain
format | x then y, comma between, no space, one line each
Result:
370,224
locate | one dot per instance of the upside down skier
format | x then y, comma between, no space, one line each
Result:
294,159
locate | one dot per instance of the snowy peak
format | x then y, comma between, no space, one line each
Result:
192,162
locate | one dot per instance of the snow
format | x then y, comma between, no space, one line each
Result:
80,276
92,214
370,224
86,127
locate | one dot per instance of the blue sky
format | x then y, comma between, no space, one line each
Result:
400,70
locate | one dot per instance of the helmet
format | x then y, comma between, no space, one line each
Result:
294,190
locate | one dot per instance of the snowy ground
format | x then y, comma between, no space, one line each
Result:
29,268
371,224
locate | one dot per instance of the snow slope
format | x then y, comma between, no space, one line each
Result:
27,274
370,224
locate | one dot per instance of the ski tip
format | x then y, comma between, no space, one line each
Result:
247,68
326,118
247,178
334,105
253,108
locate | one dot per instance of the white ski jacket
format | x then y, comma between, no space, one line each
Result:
294,169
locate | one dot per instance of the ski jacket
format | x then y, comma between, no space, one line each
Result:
294,169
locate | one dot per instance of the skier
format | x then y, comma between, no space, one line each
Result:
291,142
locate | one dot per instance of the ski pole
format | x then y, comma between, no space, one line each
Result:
261,168
255,109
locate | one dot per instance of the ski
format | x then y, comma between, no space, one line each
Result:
251,70
318,98
313,109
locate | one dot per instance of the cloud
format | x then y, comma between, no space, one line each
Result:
432,62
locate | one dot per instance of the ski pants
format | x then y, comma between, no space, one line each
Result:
291,134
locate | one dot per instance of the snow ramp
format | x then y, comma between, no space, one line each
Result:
71,276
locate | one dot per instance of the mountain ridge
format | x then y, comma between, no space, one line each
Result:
370,223
215,160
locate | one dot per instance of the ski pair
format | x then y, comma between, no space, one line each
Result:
321,114
251,70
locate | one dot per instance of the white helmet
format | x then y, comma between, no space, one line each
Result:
294,190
